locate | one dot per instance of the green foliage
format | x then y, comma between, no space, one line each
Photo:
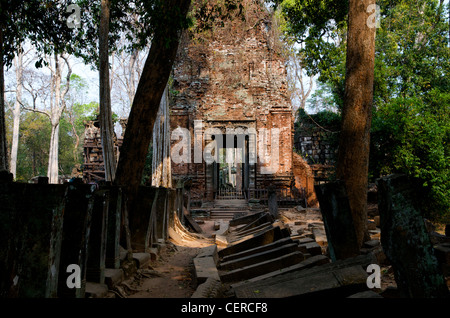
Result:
319,26
324,99
410,126
34,139
415,133
136,21
43,22
323,118
326,122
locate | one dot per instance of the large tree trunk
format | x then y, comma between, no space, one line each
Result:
16,113
146,102
353,158
106,124
3,144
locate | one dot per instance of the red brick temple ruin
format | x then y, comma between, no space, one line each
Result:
234,81
229,95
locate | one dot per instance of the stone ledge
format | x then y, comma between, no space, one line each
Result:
113,277
211,288
205,267
96,290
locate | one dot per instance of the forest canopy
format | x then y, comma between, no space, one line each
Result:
410,130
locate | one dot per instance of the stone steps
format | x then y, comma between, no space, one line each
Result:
224,215
260,257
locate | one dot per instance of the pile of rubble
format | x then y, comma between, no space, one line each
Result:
265,257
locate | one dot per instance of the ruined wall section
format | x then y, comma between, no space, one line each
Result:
235,75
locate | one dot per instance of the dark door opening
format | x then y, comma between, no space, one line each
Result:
231,173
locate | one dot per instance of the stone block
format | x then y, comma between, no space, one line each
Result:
260,239
338,220
312,248
258,249
139,217
262,268
366,294
263,219
242,234
193,224
209,251
205,267
371,243
153,252
76,230
305,264
340,282
371,225
223,227
246,219
113,227
305,240
405,239
113,277
258,257
211,288
31,231
221,240
142,260
96,260
320,236
376,219
96,290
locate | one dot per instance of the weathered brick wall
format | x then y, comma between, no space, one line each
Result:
234,76
316,146
318,143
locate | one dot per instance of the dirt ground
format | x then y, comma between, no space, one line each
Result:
171,276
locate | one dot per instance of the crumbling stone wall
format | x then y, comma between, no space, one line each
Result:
229,77
317,145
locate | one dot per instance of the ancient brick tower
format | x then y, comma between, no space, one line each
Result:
234,77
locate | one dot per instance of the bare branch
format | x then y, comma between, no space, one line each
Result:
34,110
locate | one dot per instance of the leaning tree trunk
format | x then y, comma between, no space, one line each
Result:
161,165
106,124
152,83
3,144
353,157
16,113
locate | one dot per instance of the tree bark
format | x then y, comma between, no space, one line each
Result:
16,112
53,155
161,165
148,95
57,108
353,156
106,124
3,144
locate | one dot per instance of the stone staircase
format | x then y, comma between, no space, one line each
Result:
228,209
